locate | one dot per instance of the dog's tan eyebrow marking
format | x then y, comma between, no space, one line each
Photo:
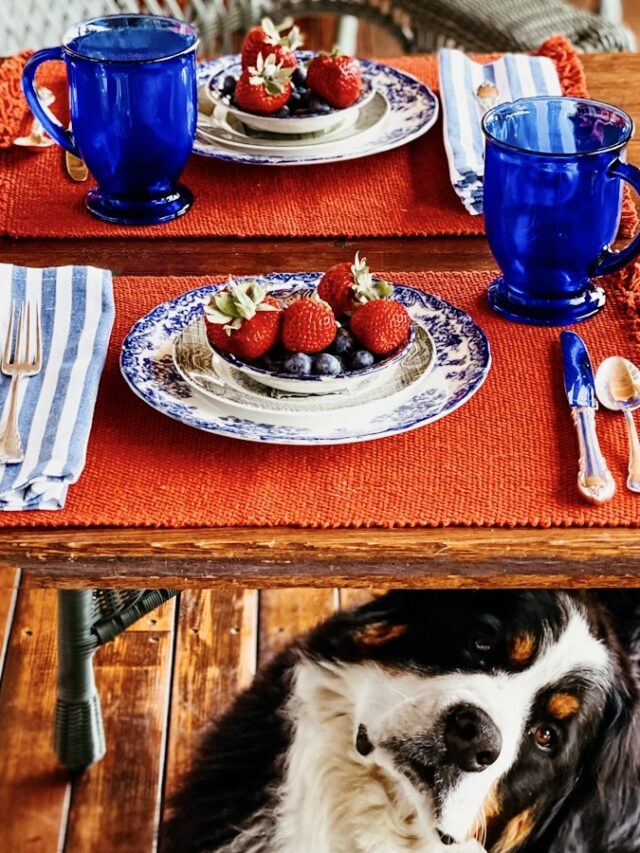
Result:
379,633
562,705
515,832
521,647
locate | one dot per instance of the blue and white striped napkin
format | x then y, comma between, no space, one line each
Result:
56,405
514,76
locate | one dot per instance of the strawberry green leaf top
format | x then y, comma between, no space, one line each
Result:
345,286
364,287
267,38
239,301
291,40
243,320
265,88
270,73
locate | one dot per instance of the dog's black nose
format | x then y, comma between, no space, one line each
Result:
472,738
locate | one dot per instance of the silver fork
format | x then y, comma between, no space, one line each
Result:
20,357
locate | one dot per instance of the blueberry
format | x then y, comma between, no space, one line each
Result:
283,112
228,85
361,359
303,96
318,105
298,363
326,364
343,342
267,362
295,102
299,76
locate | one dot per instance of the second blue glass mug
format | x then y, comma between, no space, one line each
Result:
554,168
133,104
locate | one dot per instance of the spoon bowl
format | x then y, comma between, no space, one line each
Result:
618,389
36,138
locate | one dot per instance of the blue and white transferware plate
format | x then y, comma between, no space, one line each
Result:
410,108
462,363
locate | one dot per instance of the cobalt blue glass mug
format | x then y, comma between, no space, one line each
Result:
554,168
133,103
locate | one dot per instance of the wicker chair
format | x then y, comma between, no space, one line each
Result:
418,25
86,620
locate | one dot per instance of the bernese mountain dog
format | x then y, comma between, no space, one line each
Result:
438,722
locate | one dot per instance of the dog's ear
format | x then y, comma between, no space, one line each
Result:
602,815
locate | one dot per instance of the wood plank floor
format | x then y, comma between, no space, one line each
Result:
160,682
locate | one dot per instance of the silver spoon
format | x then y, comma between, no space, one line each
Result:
487,96
37,138
618,388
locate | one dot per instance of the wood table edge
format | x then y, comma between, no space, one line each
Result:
270,557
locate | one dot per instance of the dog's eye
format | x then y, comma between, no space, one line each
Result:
545,737
482,643
485,636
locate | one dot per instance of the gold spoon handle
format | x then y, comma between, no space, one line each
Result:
633,481
76,168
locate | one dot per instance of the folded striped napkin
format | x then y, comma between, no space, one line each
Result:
56,405
514,76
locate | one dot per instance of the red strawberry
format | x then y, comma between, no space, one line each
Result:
267,39
381,325
346,285
265,88
308,325
243,320
336,78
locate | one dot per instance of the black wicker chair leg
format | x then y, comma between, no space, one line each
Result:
79,735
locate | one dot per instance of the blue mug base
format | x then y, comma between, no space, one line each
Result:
137,211
552,313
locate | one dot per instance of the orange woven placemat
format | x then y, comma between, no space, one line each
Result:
507,457
401,192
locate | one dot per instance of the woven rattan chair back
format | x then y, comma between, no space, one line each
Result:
41,23
418,25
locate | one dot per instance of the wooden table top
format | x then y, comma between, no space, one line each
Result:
450,557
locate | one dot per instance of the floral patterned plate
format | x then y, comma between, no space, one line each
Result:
412,109
462,362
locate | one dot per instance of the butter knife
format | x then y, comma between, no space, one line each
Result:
595,482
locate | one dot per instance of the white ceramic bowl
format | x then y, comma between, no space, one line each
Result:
304,122
314,384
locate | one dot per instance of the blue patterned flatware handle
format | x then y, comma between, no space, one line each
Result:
595,482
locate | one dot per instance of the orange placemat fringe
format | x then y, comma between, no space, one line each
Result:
405,192
508,457
13,107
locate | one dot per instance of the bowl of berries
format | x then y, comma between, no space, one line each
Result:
274,88
333,335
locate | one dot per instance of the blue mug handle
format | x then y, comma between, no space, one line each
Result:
609,261
53,127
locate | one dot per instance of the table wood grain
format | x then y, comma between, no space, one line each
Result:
450,557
